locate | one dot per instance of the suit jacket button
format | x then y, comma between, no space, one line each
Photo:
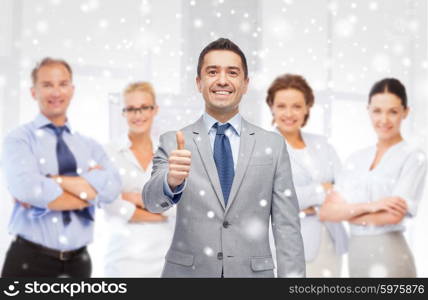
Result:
226,224
220,255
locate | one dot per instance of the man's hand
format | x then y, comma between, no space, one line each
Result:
67,201
310,211
23,204
97,167
179,163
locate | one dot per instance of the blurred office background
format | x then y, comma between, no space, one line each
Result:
341,47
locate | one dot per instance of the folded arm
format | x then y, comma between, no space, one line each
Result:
77,186
104,179
67,201
335,208
377,219
23,177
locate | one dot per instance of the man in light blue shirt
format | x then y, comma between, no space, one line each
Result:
56,177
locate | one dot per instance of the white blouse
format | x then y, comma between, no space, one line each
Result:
401,172
312,166
134,249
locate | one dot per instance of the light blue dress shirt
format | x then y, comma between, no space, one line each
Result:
29,155
233,133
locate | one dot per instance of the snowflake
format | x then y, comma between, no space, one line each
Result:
123,210
42,27
197,23
373,6
208,251
378,270
63,239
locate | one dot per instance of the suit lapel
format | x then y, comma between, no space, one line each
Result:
246,147
203,144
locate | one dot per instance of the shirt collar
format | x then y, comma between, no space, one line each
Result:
41,121
235,123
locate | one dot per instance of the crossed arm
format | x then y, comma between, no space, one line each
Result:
140,213
385,211
76,193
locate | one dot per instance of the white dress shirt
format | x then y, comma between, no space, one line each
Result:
401,172
134,249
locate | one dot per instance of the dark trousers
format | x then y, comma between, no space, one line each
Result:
24,260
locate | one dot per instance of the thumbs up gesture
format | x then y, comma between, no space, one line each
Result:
179,163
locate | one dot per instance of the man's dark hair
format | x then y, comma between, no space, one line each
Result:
222,44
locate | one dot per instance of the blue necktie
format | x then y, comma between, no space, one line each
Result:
223,160
67,166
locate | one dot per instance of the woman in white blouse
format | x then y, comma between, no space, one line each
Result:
138,239
315,165
380,187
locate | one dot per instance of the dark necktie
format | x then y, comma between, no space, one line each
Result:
223,160
67,166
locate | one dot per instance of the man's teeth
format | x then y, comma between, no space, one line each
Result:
222,92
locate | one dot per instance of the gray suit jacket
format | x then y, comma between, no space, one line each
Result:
210,238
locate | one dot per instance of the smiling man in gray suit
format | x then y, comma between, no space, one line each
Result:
228,178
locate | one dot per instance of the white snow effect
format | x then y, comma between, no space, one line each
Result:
122,171
103,23
123,210
37,190
63,239
263,203
42,161
280,29
287,193
40,133
373,6
201,193
210,214
89,6
42,27
345,27
254,228
378,270
326,273
381,62
197,23
83,195
145,7
208,251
